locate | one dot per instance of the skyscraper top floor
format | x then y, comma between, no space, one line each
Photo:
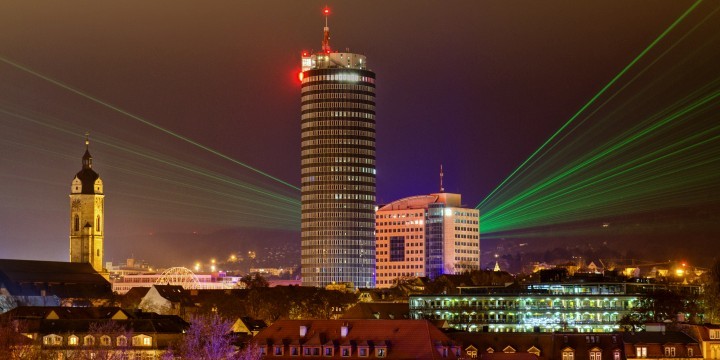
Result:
333,60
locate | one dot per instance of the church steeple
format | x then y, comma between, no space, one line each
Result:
87,214
87,158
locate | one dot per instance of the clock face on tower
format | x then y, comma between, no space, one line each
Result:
76,204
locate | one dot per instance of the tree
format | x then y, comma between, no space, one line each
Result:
253,281
208,338
710,298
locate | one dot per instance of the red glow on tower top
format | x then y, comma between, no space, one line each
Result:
326,32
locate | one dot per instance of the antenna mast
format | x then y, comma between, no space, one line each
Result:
442,189
326,32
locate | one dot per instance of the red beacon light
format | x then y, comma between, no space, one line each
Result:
326,11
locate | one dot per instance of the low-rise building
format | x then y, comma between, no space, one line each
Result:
355,339
96,332
537,307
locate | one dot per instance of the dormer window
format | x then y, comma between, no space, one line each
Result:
52,340
121,340
294,351
105,340
328,351
714,334
595,354
89,340
568,354
363,351
345,351
72,340
278,350
670,351
641,351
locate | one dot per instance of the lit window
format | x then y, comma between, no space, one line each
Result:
641,351
72,340
105,340
568,355
89,340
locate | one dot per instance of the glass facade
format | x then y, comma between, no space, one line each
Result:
338,170
538,307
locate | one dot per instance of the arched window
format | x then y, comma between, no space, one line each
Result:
121,340
72,340
76,223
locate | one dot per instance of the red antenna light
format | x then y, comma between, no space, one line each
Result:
326,11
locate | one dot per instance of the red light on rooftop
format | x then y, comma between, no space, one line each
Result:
305,53
326,11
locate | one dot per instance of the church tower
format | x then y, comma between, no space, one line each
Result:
87,215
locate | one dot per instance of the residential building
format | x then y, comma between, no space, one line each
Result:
168,300
96,332
355,339
87,215
338,168
426,235
661,344
708,336
540,346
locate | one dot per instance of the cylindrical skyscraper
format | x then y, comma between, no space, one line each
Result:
338,168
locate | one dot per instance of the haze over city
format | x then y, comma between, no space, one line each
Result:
193,115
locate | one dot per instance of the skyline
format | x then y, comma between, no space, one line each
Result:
494,79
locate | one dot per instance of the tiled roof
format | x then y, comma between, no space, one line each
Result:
403,339
175,294
384,311
63,279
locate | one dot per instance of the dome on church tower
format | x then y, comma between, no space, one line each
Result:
87,181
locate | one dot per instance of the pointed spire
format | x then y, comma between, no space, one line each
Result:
87,158
326,32
442,189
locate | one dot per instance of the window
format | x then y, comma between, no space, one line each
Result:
89,340
670,351
715,334
641,351
294,351
121,340
568,355
345,351
278,350
690,352
328,351
52,340
363,351
616,355
595,354
76,223
380,352
142,340
105,340
72,340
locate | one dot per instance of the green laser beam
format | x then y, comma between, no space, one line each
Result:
143,121
592,100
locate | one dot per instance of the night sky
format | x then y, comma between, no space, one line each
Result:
476,86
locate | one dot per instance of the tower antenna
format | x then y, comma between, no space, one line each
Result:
326,32
442,189
87,140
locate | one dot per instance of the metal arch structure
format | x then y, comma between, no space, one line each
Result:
179,276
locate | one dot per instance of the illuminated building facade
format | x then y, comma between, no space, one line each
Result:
540,307
427,235
338,168
87,221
